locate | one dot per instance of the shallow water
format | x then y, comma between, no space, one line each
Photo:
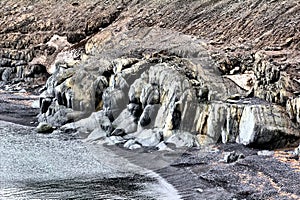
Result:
56,166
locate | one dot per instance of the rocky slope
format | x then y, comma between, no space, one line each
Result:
207,71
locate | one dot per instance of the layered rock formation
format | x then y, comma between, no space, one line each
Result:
156,73
27,46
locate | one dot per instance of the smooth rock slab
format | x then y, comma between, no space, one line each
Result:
182,139
149,138
96,134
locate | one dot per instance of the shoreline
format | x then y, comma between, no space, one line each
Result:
72,170
202,173
199,173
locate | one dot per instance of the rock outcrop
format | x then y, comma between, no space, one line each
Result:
34,34
147,76
175,88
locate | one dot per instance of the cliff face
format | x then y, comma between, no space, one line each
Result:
26,28
160,72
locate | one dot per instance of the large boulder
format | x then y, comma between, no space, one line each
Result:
182,139
149,138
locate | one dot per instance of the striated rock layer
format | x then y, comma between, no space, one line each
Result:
158,73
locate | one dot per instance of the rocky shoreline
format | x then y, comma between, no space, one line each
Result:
174,92
143,78
222,171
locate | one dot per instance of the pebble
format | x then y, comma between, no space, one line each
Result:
135,146
199,190
44,127
265,153
231,157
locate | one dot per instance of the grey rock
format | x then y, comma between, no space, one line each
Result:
125,121
57,115
106,125
44,104
265,153
296,152
199,190
113,140
148,116
135,146
149,95
182,139
118,132
114,101
129,143
44,128
135,109
264,131
293,109
163,147
183,93
95,135
231,157
149,138
6,75
96,120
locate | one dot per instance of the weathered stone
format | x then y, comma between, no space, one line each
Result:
149,138
246,81
114,140
126,122
163,147
135,109
265,153
293,109
182,139
58,117
113,102
118,132
44,128
135,146
296,153
265,125
44,104
6,74
129,143
148,116
95,135
96,120
231,157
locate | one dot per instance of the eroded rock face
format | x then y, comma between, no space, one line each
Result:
293,109
35,34
143,66
176,89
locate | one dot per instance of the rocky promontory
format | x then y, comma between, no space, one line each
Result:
159,75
